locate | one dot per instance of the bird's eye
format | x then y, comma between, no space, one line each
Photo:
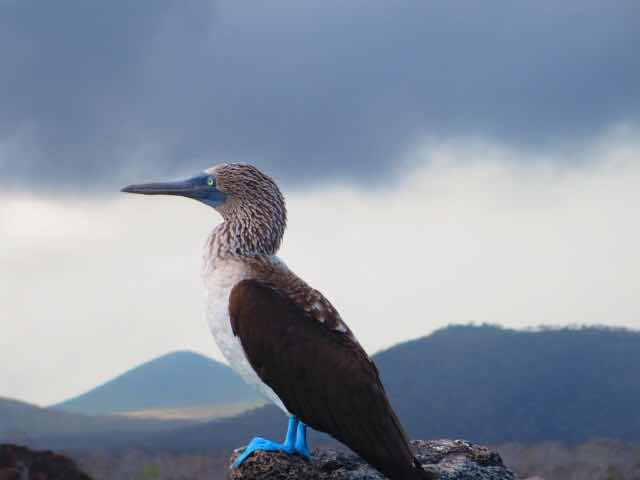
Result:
210,181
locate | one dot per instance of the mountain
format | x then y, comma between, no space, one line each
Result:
177,380
489,384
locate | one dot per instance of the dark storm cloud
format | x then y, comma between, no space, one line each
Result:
91,91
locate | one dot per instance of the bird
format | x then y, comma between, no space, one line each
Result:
280,334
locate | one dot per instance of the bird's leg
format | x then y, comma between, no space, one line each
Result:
301,447
290,437
257,444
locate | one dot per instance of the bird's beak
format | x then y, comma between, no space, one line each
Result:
184,188
201,188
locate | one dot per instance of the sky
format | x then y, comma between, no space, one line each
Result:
443,162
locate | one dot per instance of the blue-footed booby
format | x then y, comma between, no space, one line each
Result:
283,336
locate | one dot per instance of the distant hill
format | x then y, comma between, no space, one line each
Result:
177,380
495,385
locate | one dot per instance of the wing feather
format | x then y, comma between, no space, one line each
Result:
322,376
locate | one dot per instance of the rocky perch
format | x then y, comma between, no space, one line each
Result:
21,463
451,459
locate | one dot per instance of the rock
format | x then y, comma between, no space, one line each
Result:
451,459
21,463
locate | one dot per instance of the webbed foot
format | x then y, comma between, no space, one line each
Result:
264,445
289,446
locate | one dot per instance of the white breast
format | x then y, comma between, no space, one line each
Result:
220,276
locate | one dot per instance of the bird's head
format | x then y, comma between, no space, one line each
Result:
244,196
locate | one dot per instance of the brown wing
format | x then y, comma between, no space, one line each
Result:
322,376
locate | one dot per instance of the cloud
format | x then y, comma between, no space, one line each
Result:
311,91
92,286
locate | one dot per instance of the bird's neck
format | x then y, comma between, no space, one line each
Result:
247,236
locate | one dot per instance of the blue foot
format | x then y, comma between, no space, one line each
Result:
301,447
262,444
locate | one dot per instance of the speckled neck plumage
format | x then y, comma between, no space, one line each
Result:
243,239
255,216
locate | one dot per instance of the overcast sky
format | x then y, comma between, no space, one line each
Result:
444,162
